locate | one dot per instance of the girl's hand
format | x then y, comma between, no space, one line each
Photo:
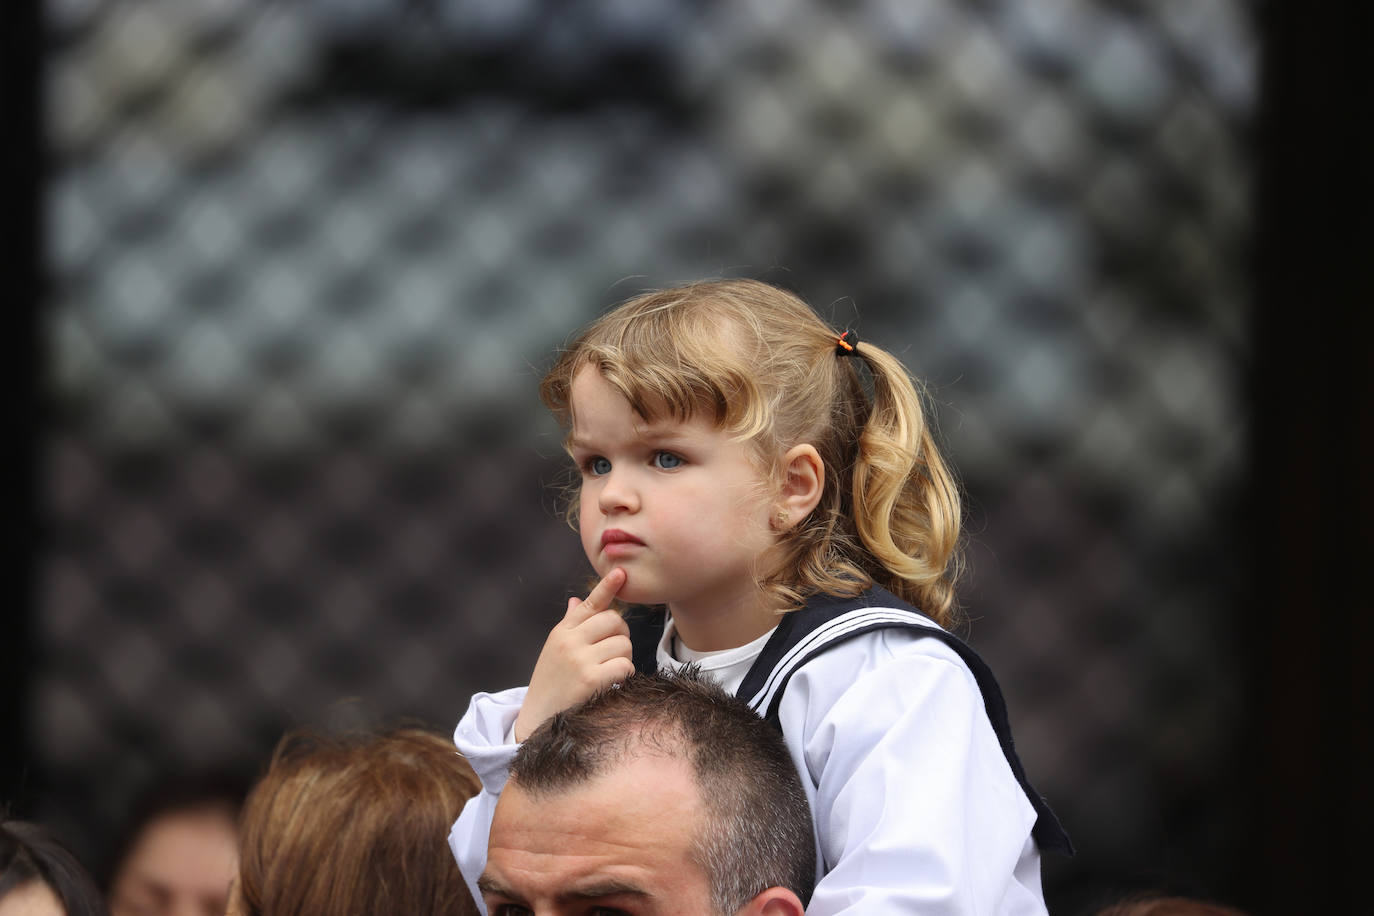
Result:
587,650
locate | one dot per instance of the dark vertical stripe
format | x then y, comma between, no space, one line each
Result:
19,48
1311,508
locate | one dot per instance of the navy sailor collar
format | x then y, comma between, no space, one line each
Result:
826,621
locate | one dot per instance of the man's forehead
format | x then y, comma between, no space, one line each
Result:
550,862
629,828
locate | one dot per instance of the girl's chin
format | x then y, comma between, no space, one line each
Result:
631,594
634,591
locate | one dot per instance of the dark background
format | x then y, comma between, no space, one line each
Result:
285,275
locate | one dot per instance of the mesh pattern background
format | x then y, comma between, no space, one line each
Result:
308,260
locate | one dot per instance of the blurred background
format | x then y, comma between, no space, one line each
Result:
288,275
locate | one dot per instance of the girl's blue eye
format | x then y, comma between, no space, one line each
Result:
599,466
667,461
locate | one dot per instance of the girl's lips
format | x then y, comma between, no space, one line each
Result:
613,540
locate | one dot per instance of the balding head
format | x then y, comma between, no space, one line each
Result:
671,769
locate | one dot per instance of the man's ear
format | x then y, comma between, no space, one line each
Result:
803,483
776,901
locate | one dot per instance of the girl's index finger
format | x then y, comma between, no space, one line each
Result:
601,596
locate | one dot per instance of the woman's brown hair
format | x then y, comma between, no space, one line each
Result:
355,824
763,365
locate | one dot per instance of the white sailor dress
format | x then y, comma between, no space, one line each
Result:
901,736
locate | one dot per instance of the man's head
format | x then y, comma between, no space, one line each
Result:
661,795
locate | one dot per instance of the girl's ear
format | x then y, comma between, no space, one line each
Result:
803,483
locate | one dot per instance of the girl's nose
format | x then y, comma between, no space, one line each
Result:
617,494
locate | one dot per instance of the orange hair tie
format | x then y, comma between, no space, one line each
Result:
847,344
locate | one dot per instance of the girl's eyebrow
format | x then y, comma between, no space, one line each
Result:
659,432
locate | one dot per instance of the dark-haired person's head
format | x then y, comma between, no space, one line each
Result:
179,852
40,877
353,825
661,795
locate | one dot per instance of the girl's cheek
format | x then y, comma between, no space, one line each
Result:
587,513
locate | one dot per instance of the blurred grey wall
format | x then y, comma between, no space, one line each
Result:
307,261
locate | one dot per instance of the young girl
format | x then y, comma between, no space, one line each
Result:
770,490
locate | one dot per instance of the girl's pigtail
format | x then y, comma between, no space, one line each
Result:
906,501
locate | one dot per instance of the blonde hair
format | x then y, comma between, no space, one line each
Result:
355,824
764,366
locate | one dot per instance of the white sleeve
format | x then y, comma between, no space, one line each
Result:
483,736
916,807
